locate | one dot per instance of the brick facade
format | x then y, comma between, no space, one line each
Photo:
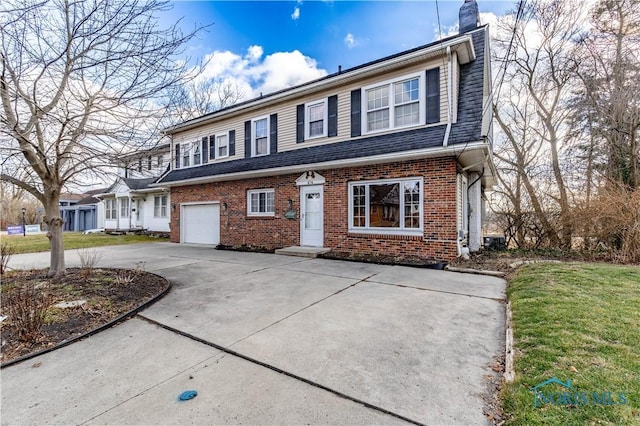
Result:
236,228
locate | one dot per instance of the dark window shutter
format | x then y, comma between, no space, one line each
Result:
232,142
247,139
177,156
205,150
300,123
332,129
212,147
356,120
273,133
433,95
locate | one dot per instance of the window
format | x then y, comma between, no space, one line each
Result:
140,165
186,154
159,161
260,202
196,153
388,206
191,154
149,163
110,208
316,120
260,145
222,146
393,104
124,207
160,206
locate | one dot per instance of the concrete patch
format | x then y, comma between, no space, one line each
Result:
75,383
452,282
421,354
336,268
224,311
235,391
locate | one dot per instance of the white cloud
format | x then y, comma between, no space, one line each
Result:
349,40
296,14
254,53
254,73
285,69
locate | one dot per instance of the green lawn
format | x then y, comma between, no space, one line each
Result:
579,322
73,240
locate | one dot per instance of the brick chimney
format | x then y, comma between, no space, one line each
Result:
468,16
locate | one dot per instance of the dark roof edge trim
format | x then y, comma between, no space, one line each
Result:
382,158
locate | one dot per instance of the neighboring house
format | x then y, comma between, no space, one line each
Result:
80,212
390,157
130,204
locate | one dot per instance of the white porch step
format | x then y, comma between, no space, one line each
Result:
303,251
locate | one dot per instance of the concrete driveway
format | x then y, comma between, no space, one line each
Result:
269,339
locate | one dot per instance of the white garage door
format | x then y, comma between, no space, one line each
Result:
201,223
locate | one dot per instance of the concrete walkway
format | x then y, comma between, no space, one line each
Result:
268,339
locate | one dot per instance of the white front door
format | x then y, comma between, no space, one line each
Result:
312,216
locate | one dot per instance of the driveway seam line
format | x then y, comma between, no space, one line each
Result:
495,299
300,310
142,392
281,371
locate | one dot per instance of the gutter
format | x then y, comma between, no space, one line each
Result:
445,141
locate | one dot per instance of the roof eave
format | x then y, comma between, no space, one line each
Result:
453,150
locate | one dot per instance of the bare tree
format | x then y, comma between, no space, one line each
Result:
610,74
197,98
81,82
535,118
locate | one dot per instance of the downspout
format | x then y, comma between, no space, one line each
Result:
445,141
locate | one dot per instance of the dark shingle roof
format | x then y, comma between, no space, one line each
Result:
469,125
467,129
89,196
134,184
375,145
137,184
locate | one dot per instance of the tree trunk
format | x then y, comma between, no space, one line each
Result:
54,233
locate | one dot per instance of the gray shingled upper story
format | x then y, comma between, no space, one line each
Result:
467,129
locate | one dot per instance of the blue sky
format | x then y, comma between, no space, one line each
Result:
267,45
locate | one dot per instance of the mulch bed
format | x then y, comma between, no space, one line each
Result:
107,291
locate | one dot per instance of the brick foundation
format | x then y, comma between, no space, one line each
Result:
236,228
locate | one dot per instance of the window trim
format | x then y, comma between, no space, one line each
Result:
226,134
187,150
390,83
253,136
161,206
258,191
385,231
124,213
325,119
113,209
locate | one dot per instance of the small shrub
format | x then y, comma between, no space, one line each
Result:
27,308
7,249
611,223
127,276
89,259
